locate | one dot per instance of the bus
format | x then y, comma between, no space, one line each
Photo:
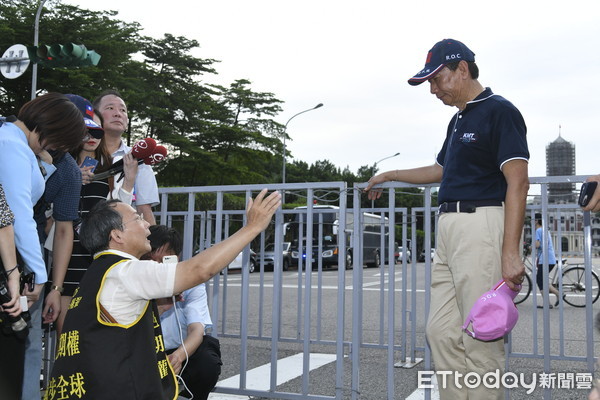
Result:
327,237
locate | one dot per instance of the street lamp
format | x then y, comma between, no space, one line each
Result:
285,134
384,158
36,32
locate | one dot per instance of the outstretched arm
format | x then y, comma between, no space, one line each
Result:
429,174
208,263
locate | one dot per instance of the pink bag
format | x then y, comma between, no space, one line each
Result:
494,314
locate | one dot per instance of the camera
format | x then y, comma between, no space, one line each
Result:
17,325
586,193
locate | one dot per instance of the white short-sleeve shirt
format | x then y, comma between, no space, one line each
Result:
129,285
193,308
145,188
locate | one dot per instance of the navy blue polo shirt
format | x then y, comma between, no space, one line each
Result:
480,139
63,190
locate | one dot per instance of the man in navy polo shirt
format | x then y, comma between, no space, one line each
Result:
482,168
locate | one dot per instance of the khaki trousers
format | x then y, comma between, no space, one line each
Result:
466,264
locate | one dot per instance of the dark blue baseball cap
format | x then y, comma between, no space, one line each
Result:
442,53
87,111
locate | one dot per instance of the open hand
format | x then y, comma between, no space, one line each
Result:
261,209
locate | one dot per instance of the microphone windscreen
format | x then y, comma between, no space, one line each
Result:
160,153
143,148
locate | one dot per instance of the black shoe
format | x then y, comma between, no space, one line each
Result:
550,306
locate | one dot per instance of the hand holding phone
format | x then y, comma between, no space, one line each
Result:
89,162
587,192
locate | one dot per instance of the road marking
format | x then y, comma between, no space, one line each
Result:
327,287
377,275
419,394
374,283
259,378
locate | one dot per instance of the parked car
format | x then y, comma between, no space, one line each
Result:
399,252
422,255
269,256
237,262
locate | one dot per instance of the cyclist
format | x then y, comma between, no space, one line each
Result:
540,261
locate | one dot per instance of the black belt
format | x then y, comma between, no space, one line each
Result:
467,206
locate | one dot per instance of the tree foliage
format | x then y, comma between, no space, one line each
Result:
216,135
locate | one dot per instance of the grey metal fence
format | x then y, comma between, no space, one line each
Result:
388,313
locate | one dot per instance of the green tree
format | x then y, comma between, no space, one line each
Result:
235,143
215,135
116,41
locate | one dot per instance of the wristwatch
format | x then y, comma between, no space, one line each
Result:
59,289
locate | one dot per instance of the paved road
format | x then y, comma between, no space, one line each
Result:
568,322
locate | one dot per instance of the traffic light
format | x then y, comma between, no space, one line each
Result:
39,55
59,55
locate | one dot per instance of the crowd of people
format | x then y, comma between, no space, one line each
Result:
50,243
113,280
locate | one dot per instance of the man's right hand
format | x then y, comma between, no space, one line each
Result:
374,194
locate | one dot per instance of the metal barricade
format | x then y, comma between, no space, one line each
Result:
349,314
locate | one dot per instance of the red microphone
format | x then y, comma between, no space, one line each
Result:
143,148
159,154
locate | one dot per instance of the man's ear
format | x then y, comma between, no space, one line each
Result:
463,68
116,236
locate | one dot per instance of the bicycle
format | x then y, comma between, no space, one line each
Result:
573,283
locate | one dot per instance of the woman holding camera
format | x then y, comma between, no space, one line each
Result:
11,346
47,123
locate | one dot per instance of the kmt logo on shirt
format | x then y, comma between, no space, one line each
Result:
468,138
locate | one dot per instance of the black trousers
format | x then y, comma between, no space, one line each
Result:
203,368
540,274
12,359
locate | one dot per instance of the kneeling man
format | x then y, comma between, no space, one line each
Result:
112,346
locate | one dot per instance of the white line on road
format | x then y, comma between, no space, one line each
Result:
419,394
259,378
374,283
328,287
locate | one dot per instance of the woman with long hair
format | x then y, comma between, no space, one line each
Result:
91,152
